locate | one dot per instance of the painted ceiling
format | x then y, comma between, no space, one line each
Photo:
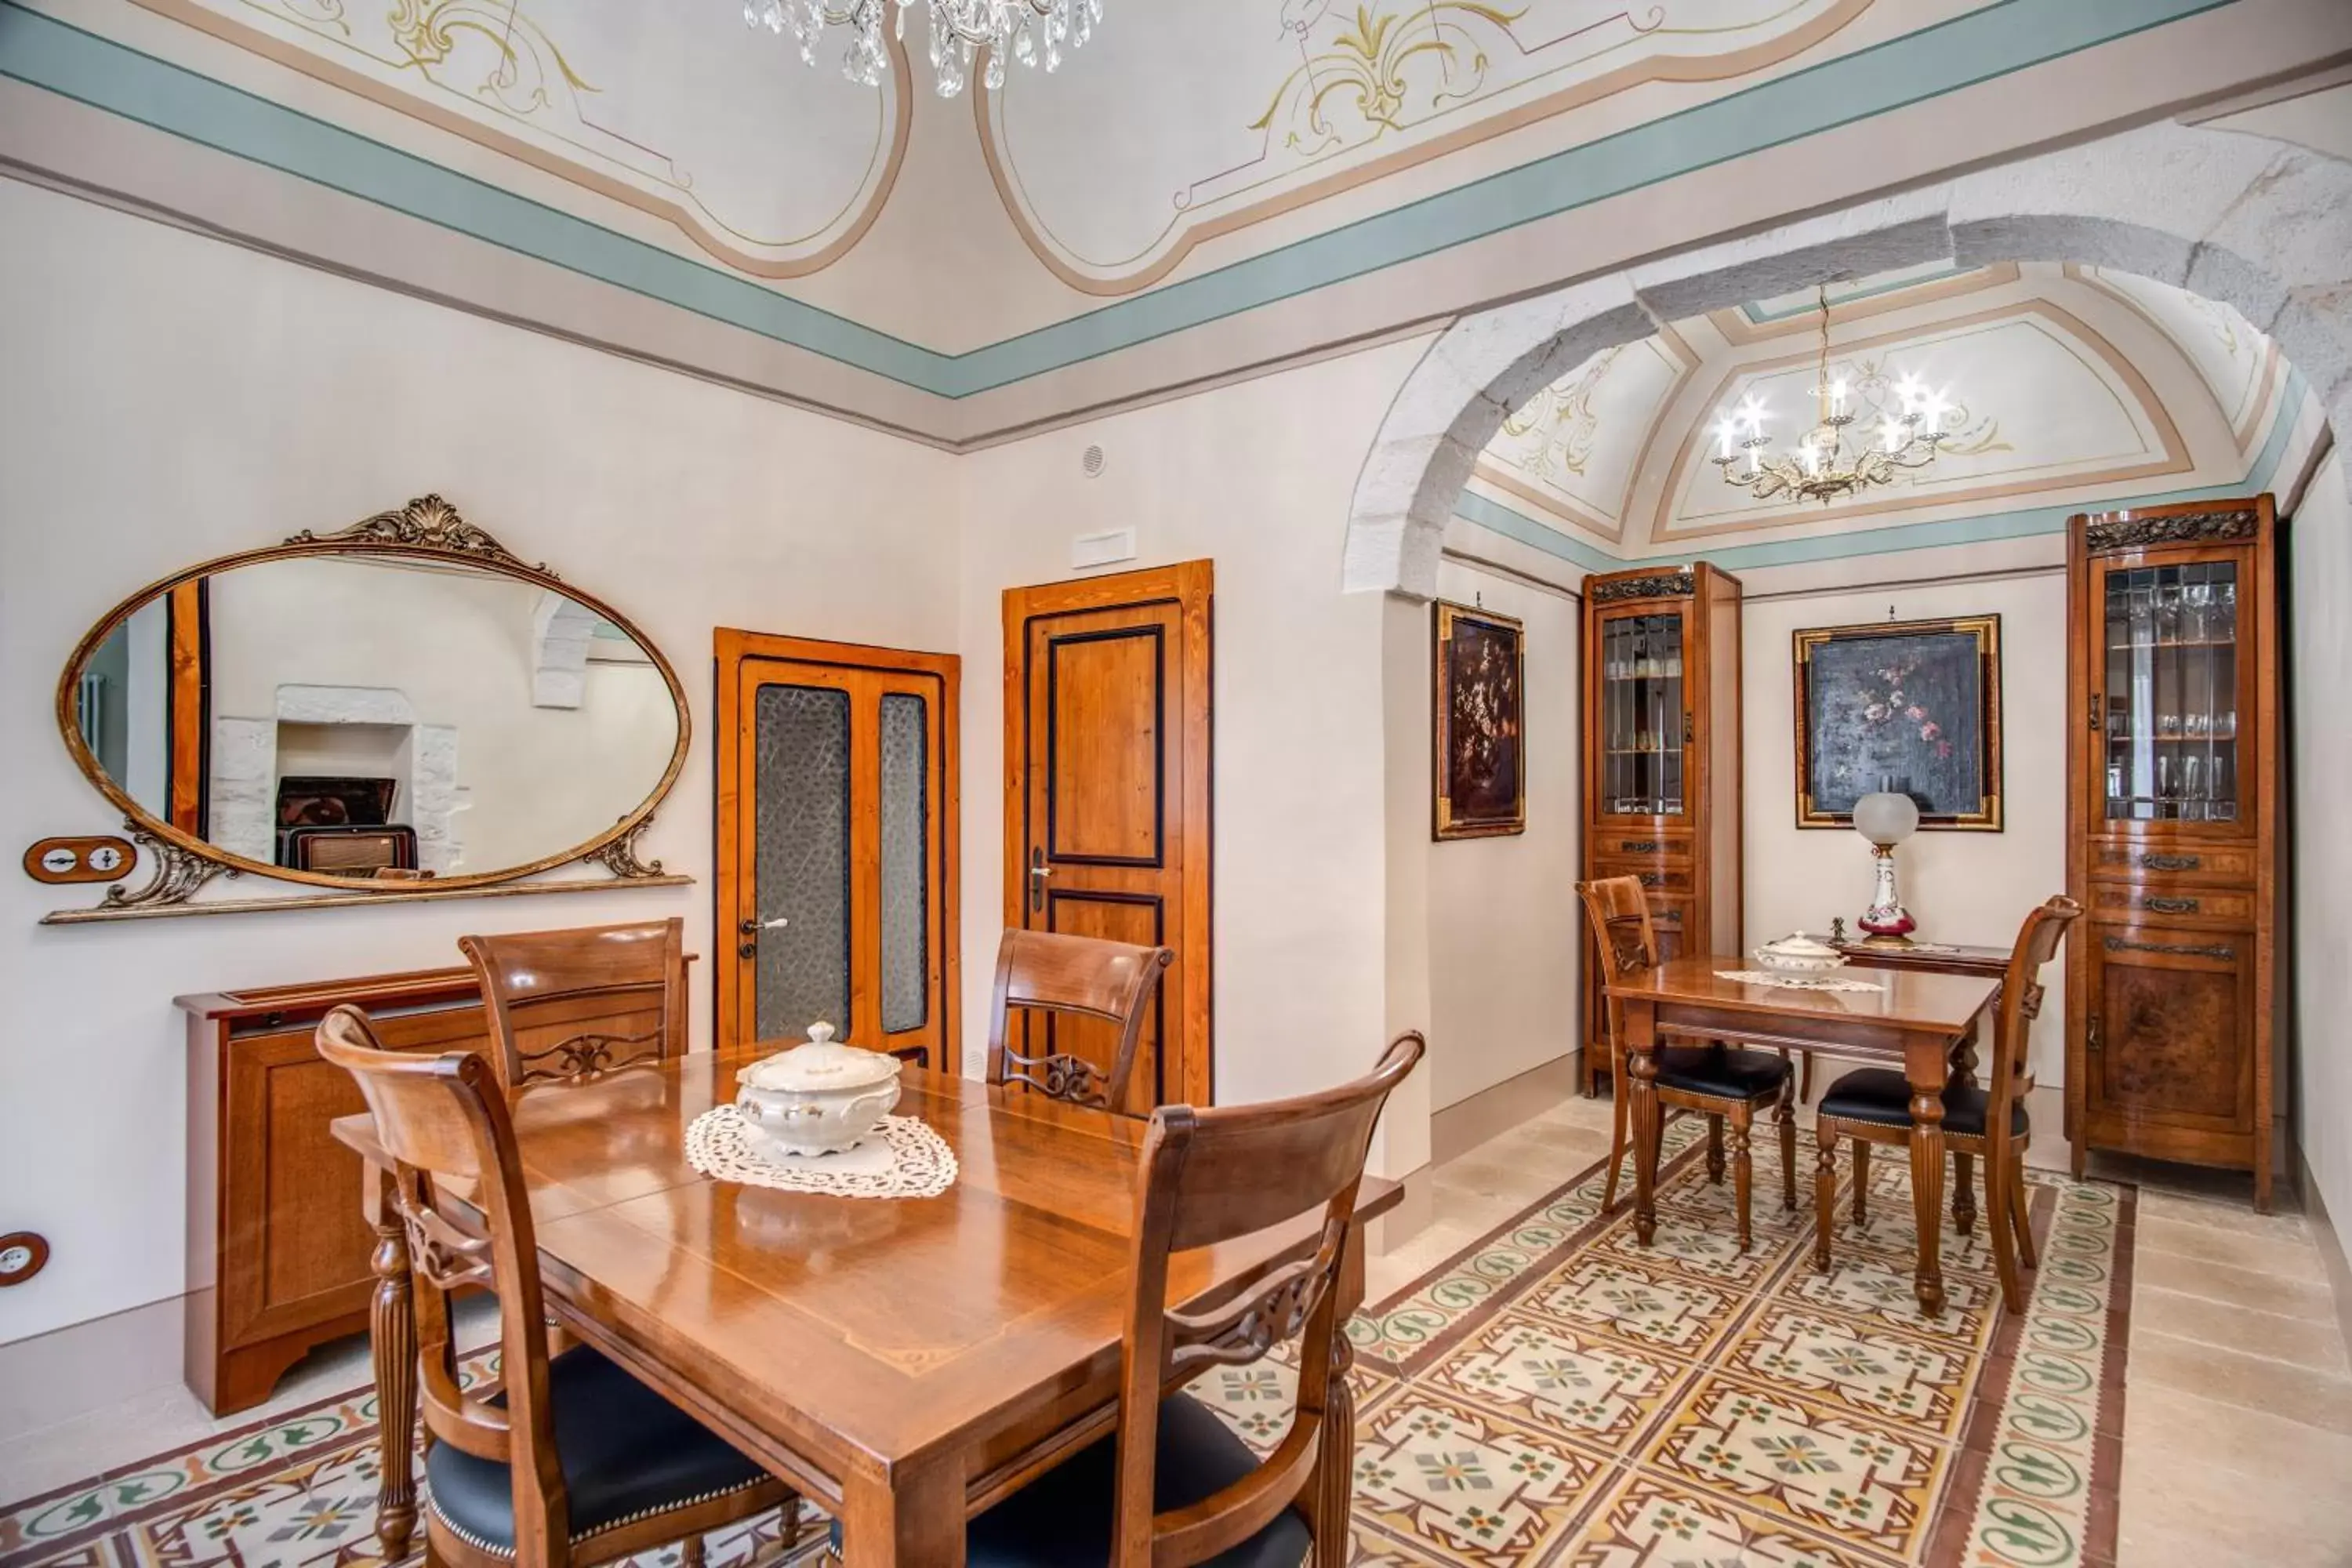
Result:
1207,187
2069,385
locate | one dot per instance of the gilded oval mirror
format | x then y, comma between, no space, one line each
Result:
399,703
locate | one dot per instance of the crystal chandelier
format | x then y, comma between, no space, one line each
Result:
1822,467
1023,29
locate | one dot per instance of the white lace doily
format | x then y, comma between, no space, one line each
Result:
1796,982
902,1159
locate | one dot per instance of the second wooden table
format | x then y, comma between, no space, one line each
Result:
1920,1024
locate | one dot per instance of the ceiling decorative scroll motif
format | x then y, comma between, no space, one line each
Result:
678,122
1241,111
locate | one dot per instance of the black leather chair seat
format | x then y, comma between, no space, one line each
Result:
625,1451
1882,1097
1724,1071
1061,1520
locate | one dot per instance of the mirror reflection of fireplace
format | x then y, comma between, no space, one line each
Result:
342,825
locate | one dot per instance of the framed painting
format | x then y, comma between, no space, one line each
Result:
1481,757
1908,707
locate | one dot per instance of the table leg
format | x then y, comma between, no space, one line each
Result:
911,1518
1640,1020
391,1342
1927,1193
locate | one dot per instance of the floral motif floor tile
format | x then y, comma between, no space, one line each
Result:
1881,1288
1651,1524
1869,1370
1558,1379
1699,1243
1866,1482
1439,1474
1651,1305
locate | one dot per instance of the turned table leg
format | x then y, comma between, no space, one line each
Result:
392,1340
1641,1089
1927,1194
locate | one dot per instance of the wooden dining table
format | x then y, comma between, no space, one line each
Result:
905,1362
1924,1025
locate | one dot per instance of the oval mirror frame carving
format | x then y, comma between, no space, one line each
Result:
429,529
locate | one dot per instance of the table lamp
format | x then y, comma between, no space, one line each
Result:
1886,820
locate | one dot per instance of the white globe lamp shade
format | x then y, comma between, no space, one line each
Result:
1886,818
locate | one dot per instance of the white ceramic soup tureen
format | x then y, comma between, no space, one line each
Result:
1798,953
820,1098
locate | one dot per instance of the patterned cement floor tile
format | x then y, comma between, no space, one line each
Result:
1649,1523
1699,1244
1859,1367
1445,1475
1558,1379
1476,1443
1645,1304
1868,1483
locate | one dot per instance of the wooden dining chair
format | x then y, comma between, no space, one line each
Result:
1873,1106
1725,1084
569,1459
568,1006
1174,1485
1071,977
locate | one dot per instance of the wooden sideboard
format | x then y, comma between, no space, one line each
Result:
278,1255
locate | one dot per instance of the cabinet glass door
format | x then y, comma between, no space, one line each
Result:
2169,712
1641,709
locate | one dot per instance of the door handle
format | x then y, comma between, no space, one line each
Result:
1038,872
754,927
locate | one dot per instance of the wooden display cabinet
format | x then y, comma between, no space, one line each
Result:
2175,833
277,1253
1662,760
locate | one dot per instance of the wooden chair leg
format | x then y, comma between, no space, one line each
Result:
2020,1213
1805,1079
1620,1106
689,1552
1824,1194
2005,1262
1786,1117
1861,1182
1715,1148
1743,1177
1964,1191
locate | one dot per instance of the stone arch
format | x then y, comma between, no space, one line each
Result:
2260,224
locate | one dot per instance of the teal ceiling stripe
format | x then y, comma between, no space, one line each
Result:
1494,517
1992,41
2025,524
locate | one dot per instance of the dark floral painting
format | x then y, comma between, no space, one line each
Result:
1481,765
1908,707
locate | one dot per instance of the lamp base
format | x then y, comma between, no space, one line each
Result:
1875,941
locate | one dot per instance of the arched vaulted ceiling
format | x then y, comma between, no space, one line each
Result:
2069,385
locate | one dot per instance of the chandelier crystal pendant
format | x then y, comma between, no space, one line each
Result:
1024,30
1824,467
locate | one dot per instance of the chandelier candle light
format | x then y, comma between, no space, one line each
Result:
1823,468
1024,30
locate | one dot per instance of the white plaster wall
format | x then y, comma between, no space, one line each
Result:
459,649
167,397
1256,478
2322,932
1964,888
1502,971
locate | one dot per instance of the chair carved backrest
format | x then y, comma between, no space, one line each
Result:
1071,977
566,1007
444,1121
1210,1176
1619,913
2020,1004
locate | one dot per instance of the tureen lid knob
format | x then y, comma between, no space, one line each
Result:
820,1033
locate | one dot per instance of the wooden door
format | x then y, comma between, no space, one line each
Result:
1106,718
838,845
2170,1008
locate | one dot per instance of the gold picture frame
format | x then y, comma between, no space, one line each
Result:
1478,723
1910,705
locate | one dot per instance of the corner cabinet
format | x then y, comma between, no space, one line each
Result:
1661,761
2175,833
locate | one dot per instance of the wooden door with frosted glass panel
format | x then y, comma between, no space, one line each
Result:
838,845
1107,800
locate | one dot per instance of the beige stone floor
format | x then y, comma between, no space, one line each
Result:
2238,1410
